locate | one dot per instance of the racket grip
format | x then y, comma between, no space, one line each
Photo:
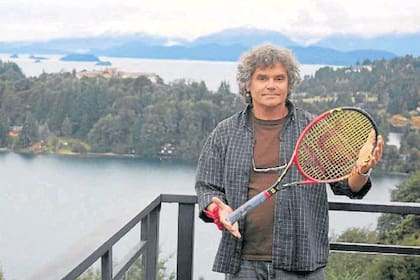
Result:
247,206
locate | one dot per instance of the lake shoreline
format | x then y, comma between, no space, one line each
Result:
81,155
94,155
134,156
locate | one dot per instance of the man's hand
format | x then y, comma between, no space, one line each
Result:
369,157
225,210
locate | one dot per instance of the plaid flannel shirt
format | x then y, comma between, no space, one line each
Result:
300,237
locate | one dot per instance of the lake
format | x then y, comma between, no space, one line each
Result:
211,72
49,202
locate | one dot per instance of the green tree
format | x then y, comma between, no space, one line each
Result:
10,71
1,275
28,135
344,266
67,127
90,274
159,127
224,88
136,272
109,134
4,130
395,268
199,118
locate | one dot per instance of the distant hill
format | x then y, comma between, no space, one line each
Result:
247,37
400,44
226,45
211,52
313,55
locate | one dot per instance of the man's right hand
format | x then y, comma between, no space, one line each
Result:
225,210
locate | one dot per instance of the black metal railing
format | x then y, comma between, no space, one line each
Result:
74,263
391,208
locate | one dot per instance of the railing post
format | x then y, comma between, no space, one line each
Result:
150,233
106,265
185,241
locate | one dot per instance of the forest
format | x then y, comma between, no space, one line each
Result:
144,117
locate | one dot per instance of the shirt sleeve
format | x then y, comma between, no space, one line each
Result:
209,175
343,188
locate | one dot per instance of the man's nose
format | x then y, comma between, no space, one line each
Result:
271,83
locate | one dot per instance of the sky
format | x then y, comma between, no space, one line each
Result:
301,20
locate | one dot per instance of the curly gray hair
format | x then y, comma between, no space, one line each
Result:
267,56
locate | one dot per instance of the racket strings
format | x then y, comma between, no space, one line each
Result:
331,147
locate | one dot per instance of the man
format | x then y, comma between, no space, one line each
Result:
287,236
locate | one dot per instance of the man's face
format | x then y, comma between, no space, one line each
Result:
269,87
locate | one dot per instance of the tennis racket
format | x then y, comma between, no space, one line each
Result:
334,146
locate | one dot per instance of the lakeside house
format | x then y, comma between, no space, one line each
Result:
112,72
15,130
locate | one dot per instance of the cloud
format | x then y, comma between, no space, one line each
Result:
188,19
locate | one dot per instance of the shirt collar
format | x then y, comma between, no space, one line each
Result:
246,112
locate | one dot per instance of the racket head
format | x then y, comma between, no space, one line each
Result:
334,144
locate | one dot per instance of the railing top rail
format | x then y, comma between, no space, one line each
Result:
383,249
177,198
402,208
361,206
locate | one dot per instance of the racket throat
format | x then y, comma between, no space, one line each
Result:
294,184
279,187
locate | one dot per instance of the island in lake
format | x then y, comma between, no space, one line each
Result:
35,57
104,63
80,57
85,58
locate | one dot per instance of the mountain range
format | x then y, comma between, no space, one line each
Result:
227,45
